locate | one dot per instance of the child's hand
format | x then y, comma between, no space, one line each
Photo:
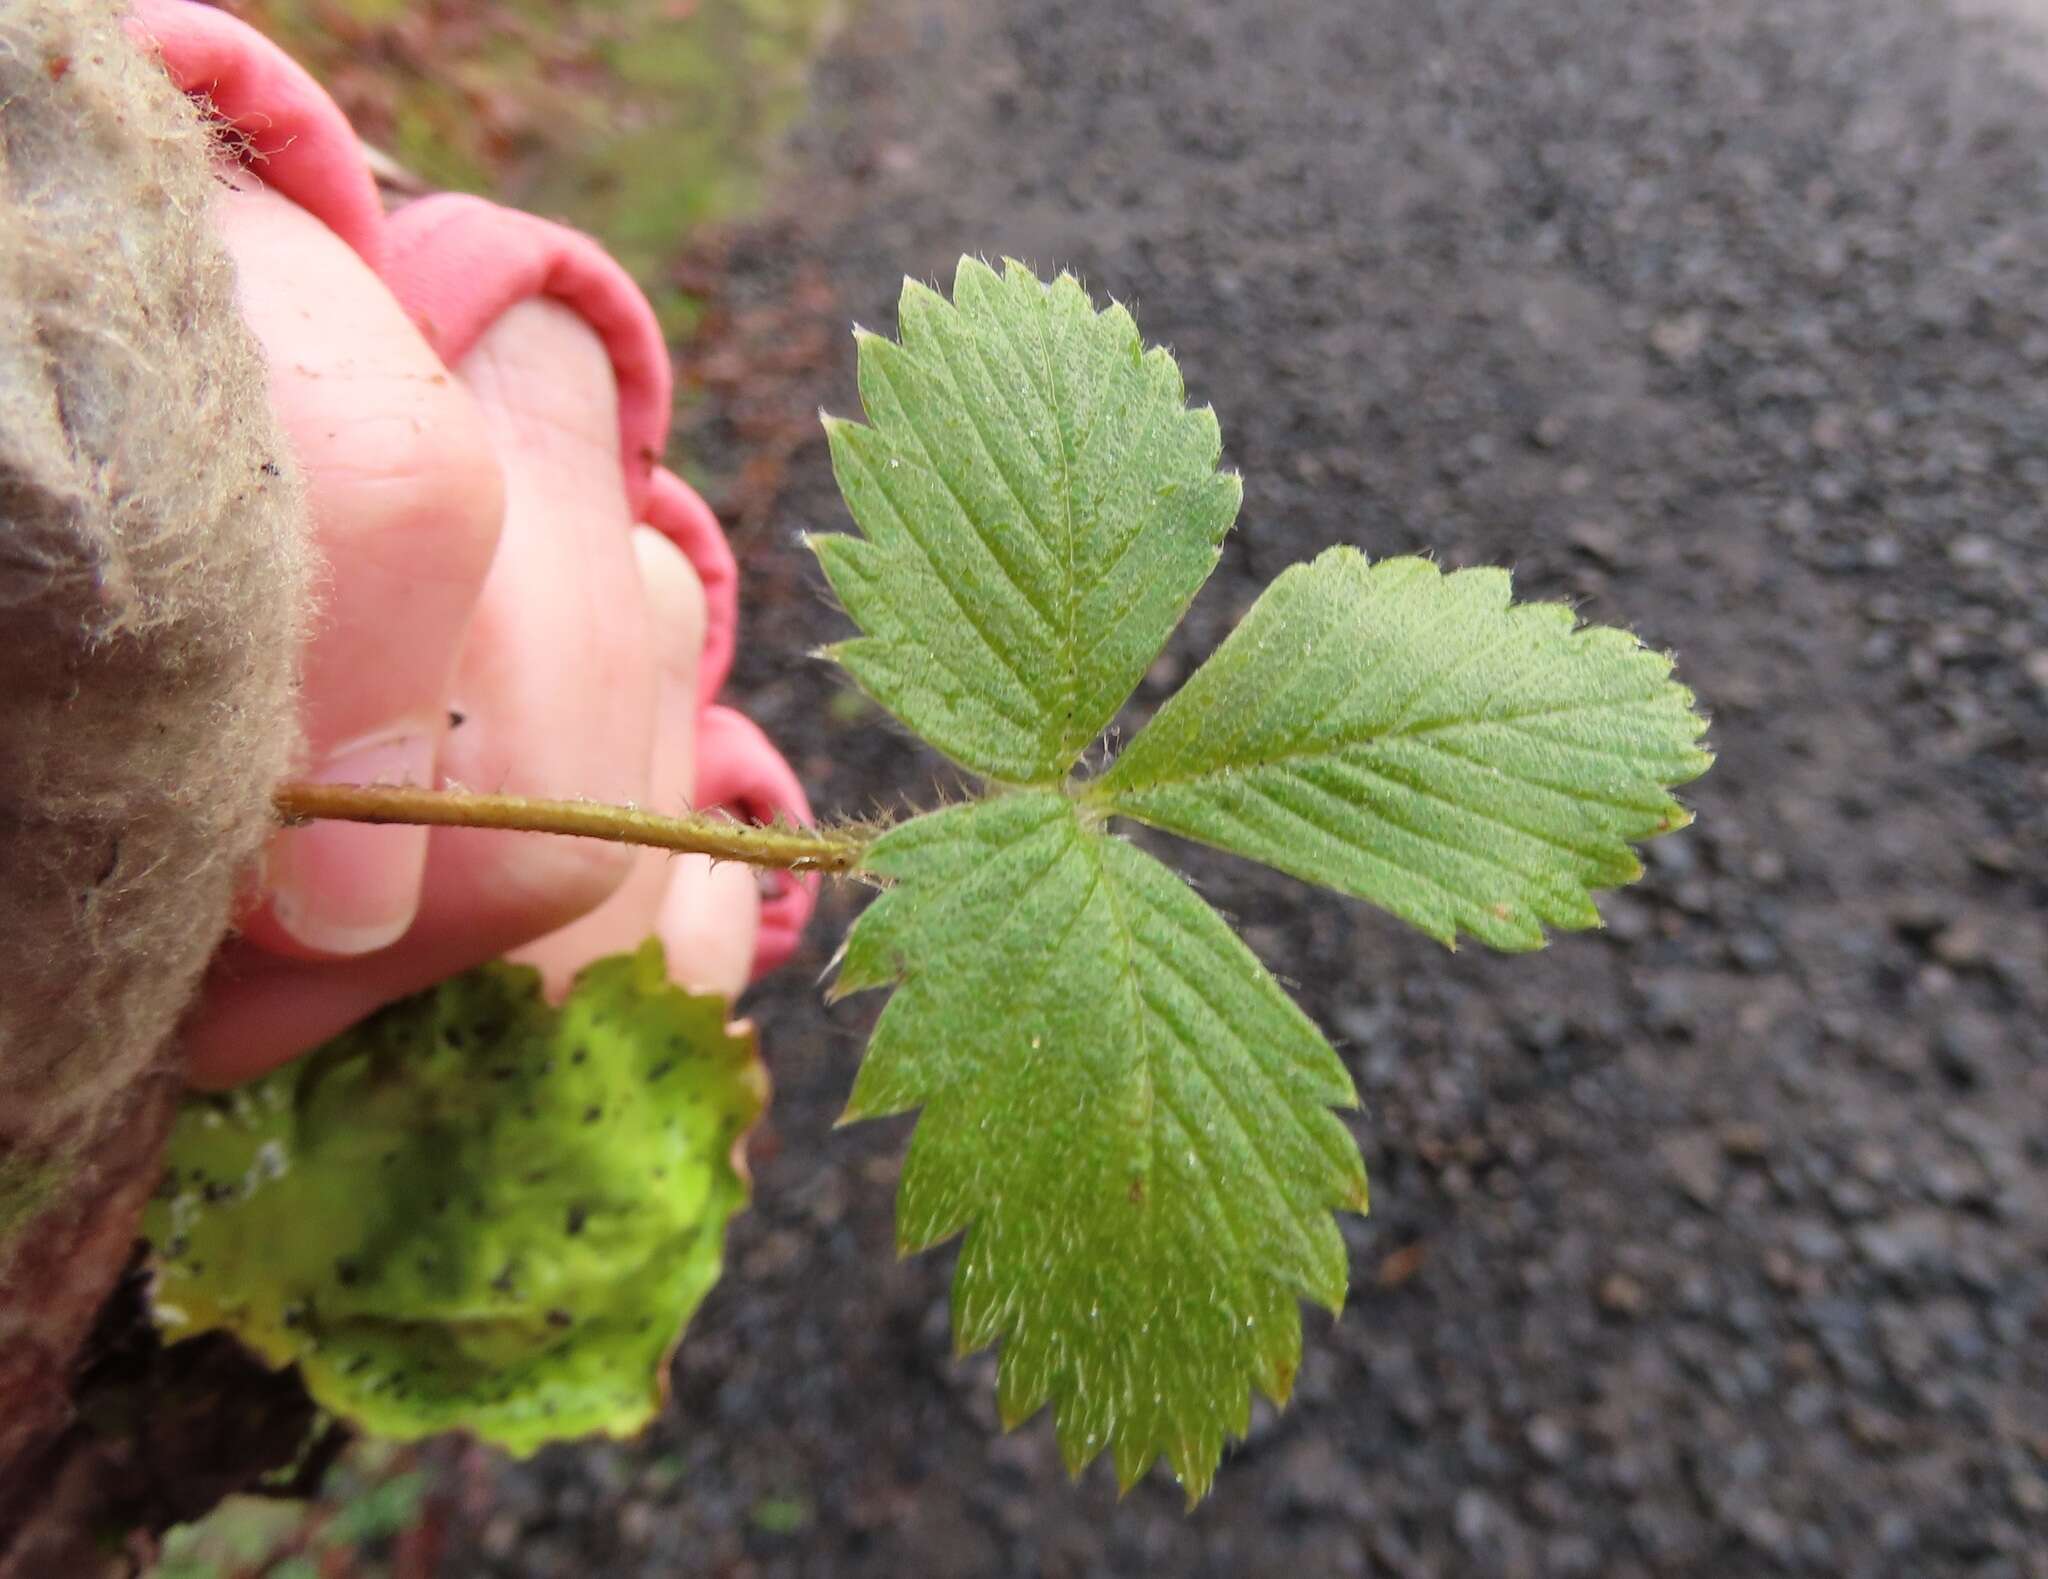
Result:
489,615
477,403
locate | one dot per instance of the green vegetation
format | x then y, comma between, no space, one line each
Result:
473,1210
636,120
1122,1110
1122,1113
372,1496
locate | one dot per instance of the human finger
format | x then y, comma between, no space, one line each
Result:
675,604
405,499
555,690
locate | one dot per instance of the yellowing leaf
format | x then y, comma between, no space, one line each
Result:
473,1211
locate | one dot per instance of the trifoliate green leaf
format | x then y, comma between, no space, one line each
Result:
1418,740
1123,1111
474,1211
1038,507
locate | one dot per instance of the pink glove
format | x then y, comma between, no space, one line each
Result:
466,274
457,264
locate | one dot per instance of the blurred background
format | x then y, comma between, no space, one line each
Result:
1715,1243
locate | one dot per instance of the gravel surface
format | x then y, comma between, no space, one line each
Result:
1715,1243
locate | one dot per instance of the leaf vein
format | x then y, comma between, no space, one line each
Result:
1586,797
970,682
1509,630
995,464
1382,812
931,468
1069,682
1419,785
1551,710
1341,835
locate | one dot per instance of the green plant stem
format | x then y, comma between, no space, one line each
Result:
696,833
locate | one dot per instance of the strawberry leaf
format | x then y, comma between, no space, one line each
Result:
1122,1110
1123,1113
1038,507
1417,739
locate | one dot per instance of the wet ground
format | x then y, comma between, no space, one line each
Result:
1713,1244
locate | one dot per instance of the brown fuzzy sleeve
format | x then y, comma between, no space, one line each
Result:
153,585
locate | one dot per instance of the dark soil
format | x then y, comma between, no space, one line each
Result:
1713,1244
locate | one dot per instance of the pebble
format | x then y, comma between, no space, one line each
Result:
1852,1198
1815,1242
1477,1519
1755,952
1965,1045
1315,1478
1695,1163
1961,945
1603,545
1956,1184
1571,1556
1680,339
1548,1438
1762,1526
1626,919
1907,1242
2029,1493
1809,1404
1621,1295
1743,1142
1668,1006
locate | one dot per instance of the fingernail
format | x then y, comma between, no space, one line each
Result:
351,888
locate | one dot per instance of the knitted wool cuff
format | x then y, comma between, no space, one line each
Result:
153,588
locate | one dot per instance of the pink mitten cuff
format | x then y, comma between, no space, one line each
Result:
679,513
287,124
737,767
457,264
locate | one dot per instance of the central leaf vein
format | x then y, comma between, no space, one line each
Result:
942,475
